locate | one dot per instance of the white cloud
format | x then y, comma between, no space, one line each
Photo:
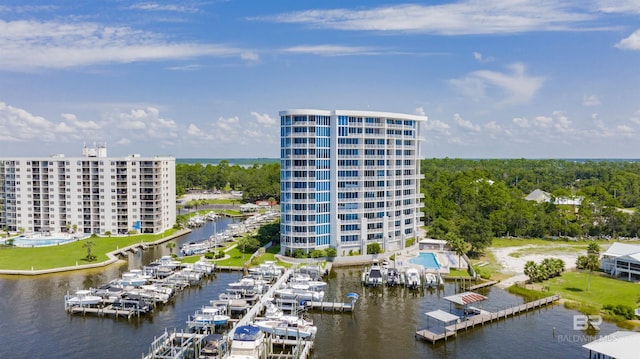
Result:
619,6
521,122
516,87
26,45
163,7
481,58
195,131
264,119
624,129
249,56
123,141
591,100
420,111
144,123
459,18
635,118
632,42
17,124
436,126
466,124
493,126
332,50
191,67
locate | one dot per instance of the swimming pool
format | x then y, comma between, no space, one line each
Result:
22,241
426,259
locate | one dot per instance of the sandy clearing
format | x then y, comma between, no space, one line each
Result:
515,266
191,196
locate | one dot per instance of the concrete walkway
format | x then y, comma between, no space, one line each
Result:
113,258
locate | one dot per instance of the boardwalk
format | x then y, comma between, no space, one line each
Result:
481,319
482,285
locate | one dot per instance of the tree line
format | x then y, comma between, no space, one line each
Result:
469,202
480,199
257,182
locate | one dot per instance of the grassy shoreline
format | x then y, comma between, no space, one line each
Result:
71,254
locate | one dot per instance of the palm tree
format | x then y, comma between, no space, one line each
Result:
593,248
592,263
88,245
457,244
531,270
171,246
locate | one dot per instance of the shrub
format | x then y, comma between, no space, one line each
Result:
317,253
374,248
220,254
209,255
409,242
299,253
331,252
624,311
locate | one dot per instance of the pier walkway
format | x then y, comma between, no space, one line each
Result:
481,319
482,285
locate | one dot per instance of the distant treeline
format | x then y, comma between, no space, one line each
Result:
477,200
481,199
257,182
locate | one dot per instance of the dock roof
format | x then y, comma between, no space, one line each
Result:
442,316
621,345
465,298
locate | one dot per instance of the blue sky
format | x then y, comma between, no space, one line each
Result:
497,78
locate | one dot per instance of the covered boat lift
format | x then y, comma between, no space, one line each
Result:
464,300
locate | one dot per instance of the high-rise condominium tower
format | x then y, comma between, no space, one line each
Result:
349,179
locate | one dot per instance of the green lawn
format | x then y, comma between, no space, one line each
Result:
602,290
236,258
458,273
516,242
68,254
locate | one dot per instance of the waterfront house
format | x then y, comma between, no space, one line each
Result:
622,260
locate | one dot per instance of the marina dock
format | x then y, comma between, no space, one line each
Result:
107,311
329,306
481,319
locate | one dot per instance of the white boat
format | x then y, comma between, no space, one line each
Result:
209,316
300,294
268,270
430,280
83,298
272,311
373,276
305,282
394,277
288,326
215,347
248,343
249,284
413,280
133,278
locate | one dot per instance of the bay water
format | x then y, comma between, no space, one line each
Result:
34,324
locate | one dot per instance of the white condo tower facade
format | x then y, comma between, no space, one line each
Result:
89,194
349,179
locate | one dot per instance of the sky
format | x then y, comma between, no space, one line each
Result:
207,78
